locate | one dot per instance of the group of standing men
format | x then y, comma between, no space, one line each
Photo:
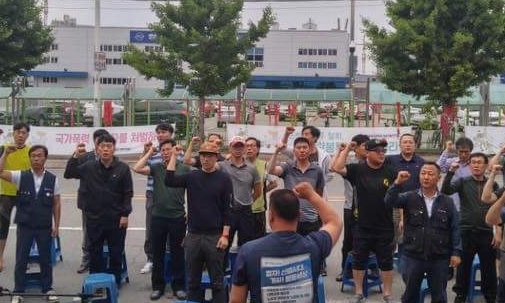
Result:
226,195
435,231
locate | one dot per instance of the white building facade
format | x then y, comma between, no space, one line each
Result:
291,58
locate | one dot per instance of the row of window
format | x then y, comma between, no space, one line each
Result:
317,51
318,65
115,61
113,48
154,48
50,60
114,81
54,46
256,64
49,80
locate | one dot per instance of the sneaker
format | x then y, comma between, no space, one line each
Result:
16,299
51,296
358,298
147,268
324,273
339,277
180,294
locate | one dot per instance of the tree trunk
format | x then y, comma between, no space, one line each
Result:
201,118
449,111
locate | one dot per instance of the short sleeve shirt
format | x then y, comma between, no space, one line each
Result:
243,178
282,264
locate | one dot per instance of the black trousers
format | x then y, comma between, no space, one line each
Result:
349,225
110,234
477,242
25,237
175,229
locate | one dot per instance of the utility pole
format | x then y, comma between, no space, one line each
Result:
99,66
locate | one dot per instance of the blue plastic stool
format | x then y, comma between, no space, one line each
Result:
425,290
474,288
124,266
368,280
94,282
55,251
321,295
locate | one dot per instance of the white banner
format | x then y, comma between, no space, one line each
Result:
486,139
330,139
61,141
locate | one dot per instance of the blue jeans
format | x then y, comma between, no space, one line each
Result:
200,249
413,273
25,237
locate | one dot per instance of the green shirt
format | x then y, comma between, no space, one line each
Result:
259,205
168,202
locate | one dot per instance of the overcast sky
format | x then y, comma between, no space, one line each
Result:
129,13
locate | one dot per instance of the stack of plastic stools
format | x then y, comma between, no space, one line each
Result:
425,290
101,282
124,266
321,295
368,280
33,278
474,288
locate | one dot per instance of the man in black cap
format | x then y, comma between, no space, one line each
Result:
375,230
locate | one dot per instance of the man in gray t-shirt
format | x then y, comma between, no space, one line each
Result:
246,189
302,170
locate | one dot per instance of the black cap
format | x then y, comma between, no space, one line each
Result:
374,143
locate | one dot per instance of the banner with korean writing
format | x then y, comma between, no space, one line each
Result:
331,137
62,141
486,139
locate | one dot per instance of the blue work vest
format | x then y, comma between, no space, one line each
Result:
35,210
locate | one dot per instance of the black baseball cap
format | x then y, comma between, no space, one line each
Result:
374,143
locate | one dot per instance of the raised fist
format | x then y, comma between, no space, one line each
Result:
304,190
402,177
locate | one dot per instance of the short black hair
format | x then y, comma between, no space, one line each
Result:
108,138
285,204
256,141
165,126
464,142
313,130
38,146
300,140
360,139
215,134
168,141
433,163
406,135
21,125
97,133
479,155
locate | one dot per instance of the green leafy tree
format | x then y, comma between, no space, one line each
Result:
23,37
203,48
439,48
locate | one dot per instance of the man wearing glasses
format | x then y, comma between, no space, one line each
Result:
476,235
374,232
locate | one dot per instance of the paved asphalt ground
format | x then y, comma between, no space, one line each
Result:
66,280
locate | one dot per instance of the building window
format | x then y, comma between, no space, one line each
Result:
54,46
332,65
332,51
322,52
113,81
45,60
302,51
117,61
54,59
255,56
108,61
49,80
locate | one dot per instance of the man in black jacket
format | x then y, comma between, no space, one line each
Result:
87,156
431,233
106,189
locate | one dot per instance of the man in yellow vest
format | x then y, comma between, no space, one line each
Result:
253,146
17,160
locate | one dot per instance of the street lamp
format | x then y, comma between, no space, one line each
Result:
352,49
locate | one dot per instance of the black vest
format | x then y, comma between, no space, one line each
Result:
428,237
35,210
